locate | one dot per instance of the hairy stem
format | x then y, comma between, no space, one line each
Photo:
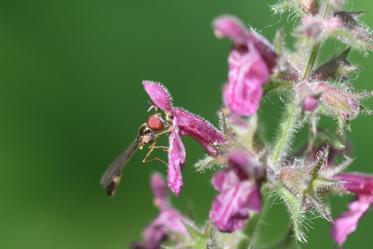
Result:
311,61
308,69
286,132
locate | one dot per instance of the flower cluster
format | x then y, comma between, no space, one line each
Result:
250,170
169,222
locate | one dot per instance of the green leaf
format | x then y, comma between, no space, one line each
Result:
294,205
194,231
290,6
205,163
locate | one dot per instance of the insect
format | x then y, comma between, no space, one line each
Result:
147,135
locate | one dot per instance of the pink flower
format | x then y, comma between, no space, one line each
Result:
250,63
362,186
183,123
239,194
168,222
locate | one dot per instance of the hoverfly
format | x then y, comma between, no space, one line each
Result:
147,135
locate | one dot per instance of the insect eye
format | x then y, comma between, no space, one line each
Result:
155,122
145,131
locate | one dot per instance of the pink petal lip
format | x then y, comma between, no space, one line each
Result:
231,208
347,223
362,186
357,183
159,95
239,195
176,159
230,27
247,74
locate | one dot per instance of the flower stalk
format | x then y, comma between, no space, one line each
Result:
308,69
286,133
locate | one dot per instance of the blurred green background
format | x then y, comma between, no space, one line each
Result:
71,98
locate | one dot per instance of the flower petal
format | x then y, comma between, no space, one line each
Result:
159,191
168,222
230,27
362,186
357,183
245,165
159,95
224,180
247,73
176,159
230,209
264,48
347,222
198,128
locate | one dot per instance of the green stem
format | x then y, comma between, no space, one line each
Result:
287,129
315,49
289,122
311,61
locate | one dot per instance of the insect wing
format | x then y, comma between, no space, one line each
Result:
111,178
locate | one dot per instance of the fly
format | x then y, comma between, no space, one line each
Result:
147,135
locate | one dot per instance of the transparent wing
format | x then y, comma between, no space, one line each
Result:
111,178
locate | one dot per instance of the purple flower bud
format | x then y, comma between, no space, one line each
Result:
239,194
159,95
168,222
310,104
362,186
247,74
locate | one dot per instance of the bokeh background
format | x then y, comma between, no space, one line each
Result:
71,98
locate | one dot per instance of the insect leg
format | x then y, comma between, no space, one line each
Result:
164,148
152,147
